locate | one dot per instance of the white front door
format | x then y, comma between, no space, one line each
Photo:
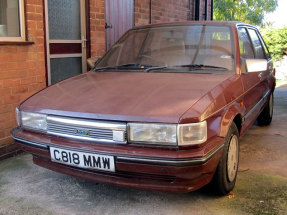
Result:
65,38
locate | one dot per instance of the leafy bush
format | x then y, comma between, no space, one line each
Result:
276,40
244,10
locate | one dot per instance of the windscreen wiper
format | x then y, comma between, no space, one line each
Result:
155,68
137,65
200,66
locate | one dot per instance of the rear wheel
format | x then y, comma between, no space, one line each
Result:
226,172
265,117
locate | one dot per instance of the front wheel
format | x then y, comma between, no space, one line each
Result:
226,172
265,117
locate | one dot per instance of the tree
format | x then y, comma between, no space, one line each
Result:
249,11
276,40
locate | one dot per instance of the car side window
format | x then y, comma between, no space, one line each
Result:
267,54
259,53
245,45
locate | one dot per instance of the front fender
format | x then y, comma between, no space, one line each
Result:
231,114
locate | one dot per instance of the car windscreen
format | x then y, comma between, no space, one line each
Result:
173,46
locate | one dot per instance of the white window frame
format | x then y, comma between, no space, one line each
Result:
22,37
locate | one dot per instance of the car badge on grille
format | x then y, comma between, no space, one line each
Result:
82,132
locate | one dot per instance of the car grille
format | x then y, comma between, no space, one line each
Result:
87,130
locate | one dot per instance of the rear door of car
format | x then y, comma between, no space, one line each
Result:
255,84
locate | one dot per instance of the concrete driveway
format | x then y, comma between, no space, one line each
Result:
261,185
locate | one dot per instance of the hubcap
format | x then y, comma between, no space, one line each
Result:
271,105
232,158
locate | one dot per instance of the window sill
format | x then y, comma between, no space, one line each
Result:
16,43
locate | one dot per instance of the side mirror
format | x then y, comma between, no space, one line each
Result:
92,61
256,65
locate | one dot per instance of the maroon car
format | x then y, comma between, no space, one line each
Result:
163,109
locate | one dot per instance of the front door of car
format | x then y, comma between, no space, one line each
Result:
254,83
261,52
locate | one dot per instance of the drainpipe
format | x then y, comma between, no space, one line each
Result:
205,10
211,9
150,11
189,10
197,10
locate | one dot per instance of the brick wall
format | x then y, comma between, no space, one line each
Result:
22,70
97,25
162,11
209,10
202,10
167,11
142,12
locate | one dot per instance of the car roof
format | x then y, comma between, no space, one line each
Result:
226,23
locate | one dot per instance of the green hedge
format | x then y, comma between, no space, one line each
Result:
276,40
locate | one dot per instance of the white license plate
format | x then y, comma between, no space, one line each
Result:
83,159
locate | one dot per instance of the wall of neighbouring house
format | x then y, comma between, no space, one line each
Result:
202,9
157,11
22,71
97,28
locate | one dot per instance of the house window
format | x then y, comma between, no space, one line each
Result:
12,20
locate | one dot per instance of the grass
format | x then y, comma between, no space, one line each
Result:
257,194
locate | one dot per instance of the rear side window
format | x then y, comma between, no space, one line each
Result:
259,53
245,45
267,54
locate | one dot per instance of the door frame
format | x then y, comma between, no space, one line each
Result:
85,31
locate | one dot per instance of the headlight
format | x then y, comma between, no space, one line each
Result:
168,134
34,121
191,134
149,133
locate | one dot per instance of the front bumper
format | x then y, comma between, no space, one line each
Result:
137,167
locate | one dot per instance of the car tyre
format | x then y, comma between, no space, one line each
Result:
226,172
265,117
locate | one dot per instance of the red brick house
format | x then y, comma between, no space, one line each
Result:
44,41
